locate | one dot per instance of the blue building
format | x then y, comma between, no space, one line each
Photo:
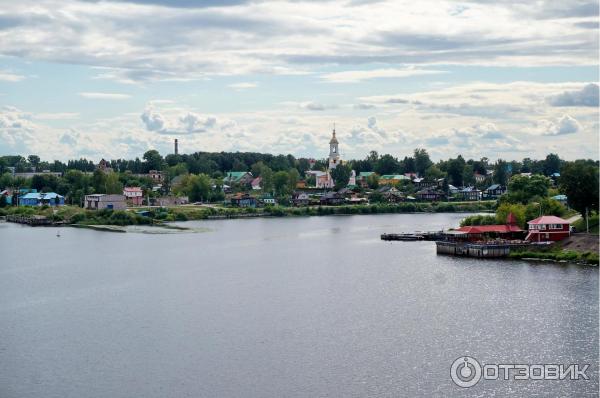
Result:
40,199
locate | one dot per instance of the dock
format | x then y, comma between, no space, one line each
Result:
479,249
34,220
429,235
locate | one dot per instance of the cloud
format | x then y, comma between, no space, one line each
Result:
587,96
563,126
316,106
10,77
104,96
355,76
243,86
190,40
178,123
364,106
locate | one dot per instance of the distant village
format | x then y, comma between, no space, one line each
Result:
122,185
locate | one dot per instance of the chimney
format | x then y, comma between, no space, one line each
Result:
176,147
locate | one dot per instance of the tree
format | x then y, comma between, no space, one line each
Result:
522,189
500,172
198,187
579,181
551,164
3,201
422,161
387,164
455,171
280,182
341,176
34,160
112,185
433,173
373,181
293,177
153,160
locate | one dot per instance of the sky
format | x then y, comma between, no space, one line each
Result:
483,78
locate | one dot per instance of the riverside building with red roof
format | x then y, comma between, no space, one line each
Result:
548,229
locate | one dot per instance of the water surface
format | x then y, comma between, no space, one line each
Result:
287,307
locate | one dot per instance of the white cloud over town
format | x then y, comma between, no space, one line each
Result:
482,78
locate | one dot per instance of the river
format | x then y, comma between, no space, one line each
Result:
281,307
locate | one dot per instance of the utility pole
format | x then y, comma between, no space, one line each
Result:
587,220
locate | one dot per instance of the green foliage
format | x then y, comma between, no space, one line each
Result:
579,181
341,176
478,220
518,210
522,189
153,160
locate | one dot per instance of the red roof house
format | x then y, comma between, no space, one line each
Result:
477,232
548,229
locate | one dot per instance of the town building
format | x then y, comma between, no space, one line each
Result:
470,194
134,195
238,177
169,200
332,199
430,194
548,229
243,200
255,183
104,166
363,177
495,191
105,201
508,231
41,199
300,199
392,179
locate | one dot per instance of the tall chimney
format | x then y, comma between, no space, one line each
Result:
176,147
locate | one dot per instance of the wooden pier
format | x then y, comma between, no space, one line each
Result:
479,250
430,235
34,220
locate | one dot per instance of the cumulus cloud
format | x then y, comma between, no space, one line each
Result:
104,96
10,77
563,126
179,123
587,96
354,76
243,85
316,106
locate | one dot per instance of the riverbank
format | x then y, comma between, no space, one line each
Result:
158,216
558,252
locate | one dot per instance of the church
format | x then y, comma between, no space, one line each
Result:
323,179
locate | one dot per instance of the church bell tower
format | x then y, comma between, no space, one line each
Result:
334,154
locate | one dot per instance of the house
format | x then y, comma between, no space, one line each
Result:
494,191
452,189
479,178
363,177
411,175
332,199
7,196
156,175
393,197
470,194
548,229
301,184
421,183
135,195
430,195
243,200
238,177
387,188
392,179
300,199
41,199
356,200
562,199
510,230
104,166
255,184
104,201
267,200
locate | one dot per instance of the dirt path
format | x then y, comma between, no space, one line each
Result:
581,242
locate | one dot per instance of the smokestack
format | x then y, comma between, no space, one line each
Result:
176,147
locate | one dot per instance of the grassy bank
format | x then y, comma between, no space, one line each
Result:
77,215
555,253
